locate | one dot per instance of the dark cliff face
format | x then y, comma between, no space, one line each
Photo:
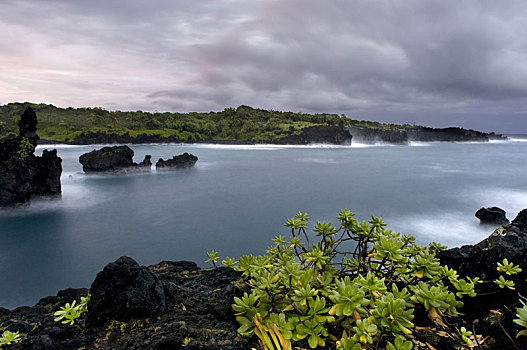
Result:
446,134
419,133
370,135
24,176
335,135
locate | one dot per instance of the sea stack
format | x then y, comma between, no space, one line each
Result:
23,175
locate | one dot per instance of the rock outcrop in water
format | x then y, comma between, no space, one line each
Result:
492,216
23,175
116,159
184,160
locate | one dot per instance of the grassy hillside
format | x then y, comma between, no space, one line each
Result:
241,124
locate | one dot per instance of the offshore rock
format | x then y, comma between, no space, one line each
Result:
23,175
115,159
322,134
492,215
124,290
184,160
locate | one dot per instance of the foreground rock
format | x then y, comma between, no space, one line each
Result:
184,160
493,310
116,159
509,241
125,290
492,216
197,307
24,176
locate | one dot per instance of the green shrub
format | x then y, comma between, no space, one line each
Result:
9,337
346,287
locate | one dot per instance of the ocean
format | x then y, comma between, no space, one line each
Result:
237,198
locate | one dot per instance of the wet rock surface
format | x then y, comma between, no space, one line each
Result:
24,176
184,160
115,159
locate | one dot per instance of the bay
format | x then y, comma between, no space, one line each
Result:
236,199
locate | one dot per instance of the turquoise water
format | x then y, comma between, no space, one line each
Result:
236,199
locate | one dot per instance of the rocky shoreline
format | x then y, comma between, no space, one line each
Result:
334,135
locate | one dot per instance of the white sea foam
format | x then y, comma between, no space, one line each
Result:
318,160
57,145
512,201
418,144
450,229
263,147
356,144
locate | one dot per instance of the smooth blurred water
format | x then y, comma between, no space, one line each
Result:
236,199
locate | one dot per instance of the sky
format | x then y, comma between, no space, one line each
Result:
436,62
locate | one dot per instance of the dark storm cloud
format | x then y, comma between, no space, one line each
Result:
453,61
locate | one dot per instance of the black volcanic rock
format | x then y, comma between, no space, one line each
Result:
28,125
509,241
23,175
109,138
492,216
116,159
197,307
371,135
451,134
184,160
321,134
402,135
124,290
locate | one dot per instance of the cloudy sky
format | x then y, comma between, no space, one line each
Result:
434,62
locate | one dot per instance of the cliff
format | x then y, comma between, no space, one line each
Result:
404,135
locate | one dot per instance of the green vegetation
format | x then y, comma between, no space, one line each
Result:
241,124
9,337
26,149
357,285
70,312
354,286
